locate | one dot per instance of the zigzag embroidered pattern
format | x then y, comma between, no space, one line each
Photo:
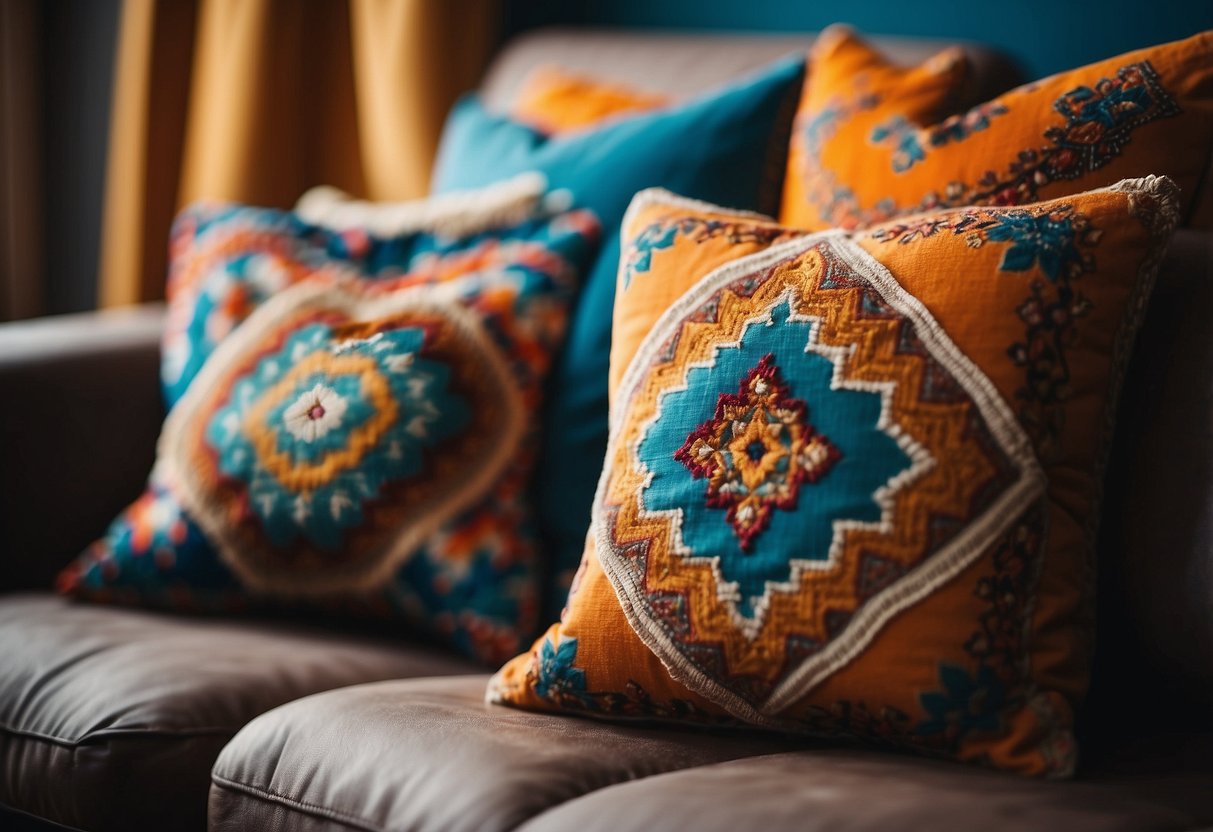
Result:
956,470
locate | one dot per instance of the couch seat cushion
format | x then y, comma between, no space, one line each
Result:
111,718
429,754
856,790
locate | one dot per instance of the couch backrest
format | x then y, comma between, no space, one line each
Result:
683,65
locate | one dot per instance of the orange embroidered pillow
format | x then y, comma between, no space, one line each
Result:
866,146
852,478
555,100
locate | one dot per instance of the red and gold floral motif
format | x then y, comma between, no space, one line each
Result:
757,451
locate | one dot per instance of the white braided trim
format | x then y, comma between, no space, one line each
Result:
455,214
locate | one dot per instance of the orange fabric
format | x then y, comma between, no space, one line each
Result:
255,101
555,100
841,65
412,59
869,145
648,299
1019,610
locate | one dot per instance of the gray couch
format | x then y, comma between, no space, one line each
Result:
120,719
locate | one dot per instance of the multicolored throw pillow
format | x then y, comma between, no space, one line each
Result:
871,141
853,478
227,259
727,147
355,425
557,100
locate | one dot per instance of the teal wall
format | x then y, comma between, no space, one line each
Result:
1045,36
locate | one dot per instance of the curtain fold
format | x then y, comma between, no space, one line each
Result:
270,97
147,123
271,102
412,58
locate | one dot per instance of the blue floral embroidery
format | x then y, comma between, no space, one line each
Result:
640,253
1049,238
661,235
966,704
1099,121
959,127
907,138
977,702
1055,240
907,149
556,678
1046,239
822,125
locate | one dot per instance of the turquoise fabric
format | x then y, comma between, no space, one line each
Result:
848,419
723,148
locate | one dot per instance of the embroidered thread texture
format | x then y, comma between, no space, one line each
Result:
757,451
1097,123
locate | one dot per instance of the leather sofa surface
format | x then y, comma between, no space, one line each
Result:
429,754
110,719
857,790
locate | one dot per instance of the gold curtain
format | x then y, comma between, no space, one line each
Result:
258,100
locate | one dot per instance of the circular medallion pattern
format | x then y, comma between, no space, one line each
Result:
336,430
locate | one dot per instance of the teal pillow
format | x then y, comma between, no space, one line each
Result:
716,148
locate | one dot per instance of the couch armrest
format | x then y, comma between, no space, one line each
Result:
80,409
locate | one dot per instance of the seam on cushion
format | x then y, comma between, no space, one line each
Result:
110,733
268,796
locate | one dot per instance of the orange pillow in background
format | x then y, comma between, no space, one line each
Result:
843,65
865,147
556,100
853,477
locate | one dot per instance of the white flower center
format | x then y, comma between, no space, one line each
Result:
315,413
